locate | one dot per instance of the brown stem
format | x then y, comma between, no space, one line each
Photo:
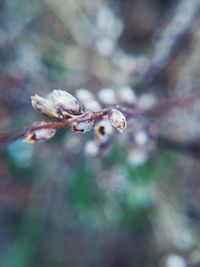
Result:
54,125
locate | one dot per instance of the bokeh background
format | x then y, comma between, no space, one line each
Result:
59,206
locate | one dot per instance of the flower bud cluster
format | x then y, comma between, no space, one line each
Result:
84,113
63,106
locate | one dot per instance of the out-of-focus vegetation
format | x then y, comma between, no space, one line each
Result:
58,206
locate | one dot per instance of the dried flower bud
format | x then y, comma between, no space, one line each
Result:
117,119
66,105
83,127
39,135
58,104
44,105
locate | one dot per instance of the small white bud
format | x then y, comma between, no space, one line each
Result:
83,127
105,46
117,119
91,148
174,260
127,95
107,96
33,136
88,100
126,62
141,137
147,100
137,157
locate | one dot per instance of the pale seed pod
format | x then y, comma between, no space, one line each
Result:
33,136
117,119
66,105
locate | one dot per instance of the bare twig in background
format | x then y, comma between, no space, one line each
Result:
189,147
179,24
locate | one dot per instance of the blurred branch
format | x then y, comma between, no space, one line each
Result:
190,147
167,105
179,24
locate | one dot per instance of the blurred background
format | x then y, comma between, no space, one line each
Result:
135,204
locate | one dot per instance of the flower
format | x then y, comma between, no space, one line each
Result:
117,119
39,135
58,104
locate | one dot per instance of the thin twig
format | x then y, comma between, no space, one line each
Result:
8,137
179,24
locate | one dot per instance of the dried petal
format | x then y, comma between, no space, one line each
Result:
39,135
117,119
65,104
83,127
